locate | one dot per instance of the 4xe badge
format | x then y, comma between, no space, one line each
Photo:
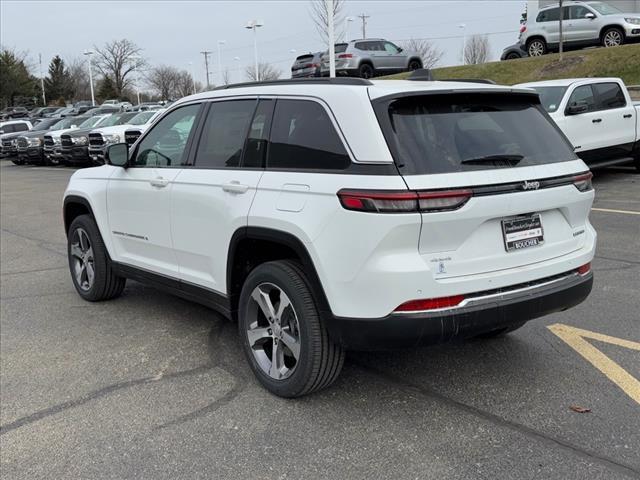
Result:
527,185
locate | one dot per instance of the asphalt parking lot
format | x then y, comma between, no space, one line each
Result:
151,386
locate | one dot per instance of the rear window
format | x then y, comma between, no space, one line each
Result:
467,132
304,57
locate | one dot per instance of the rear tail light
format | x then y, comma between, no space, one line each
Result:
315,65
583,182
523,28
430,304
403,201
345,55
584,269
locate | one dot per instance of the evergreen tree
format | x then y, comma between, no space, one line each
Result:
15,80
106,89
58,83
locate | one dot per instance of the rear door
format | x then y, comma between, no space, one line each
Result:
548,22
494,179
617,128
211,200
378,54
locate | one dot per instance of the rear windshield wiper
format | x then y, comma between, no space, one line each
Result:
493,159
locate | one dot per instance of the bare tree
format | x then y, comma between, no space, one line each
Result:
164,80
266,72
429,53
226,77
79,79
117,60
184,84
320,16
476,50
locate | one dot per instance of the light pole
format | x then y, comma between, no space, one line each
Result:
332,48
135,72
347,21
93,98
220,43
193,77
253,25
44,97
463,26
237,67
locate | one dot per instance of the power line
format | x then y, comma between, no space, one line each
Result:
364,17
206,54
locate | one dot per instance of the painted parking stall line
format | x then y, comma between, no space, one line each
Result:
610,210
575,338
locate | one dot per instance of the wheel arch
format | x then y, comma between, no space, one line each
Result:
74,206
610,26
415,59
536,37
251,246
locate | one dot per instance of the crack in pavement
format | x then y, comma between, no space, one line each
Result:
619,467
40,243
37,270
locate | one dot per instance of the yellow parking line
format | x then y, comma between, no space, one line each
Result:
609,210
575,338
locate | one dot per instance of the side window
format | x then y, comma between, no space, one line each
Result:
578,12
551,15
610,96
377,46
224,133
8,128
165,144
21,127
390,47
362,45
302,136
583,94
255,154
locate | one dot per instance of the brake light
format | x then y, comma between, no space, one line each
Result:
523,28
430,304
584,269
403,201
345,55
583,182
315,65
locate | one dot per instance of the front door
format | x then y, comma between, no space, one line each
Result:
139,197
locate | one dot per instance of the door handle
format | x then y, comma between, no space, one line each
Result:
628,115
159,182
596,120
235,187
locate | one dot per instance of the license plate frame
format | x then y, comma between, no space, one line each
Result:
522,231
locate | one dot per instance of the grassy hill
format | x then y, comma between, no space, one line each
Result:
623,62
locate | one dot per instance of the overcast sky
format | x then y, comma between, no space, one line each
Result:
173,32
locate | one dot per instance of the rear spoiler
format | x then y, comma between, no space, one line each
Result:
425,75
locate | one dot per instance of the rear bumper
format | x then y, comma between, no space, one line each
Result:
485,313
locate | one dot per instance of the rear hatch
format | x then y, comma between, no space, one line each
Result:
302,62
498,186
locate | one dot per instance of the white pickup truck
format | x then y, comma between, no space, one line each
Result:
597,115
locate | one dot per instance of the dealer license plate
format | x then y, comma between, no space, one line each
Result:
522,232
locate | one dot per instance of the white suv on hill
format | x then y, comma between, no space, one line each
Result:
333,214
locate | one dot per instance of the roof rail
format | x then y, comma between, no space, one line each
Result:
301,81
421,74
470,80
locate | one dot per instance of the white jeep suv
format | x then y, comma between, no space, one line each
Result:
333,214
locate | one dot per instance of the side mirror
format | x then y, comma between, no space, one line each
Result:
118,155
577,108
400,50
590,16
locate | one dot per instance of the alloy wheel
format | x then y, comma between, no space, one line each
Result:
273,331
536,49
83,261
612,38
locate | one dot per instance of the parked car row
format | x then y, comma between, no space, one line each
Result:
79,140
365,58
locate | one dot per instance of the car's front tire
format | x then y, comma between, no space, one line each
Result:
612,37
414,65
282,333
89,262
537,47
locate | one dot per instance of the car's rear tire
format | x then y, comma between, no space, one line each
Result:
612,37
366,71
537,47
306,360
17,161
414,65
513,56
89,262
501,332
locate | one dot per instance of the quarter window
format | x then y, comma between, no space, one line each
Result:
551,15
224,134
609,96
258,139
303,137
165,144
583,95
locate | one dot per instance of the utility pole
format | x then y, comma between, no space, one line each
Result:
44,98
560,40
332,48
364,17
206,54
